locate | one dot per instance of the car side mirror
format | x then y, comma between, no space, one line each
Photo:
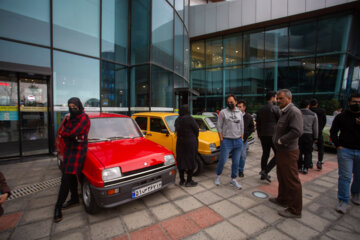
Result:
144,132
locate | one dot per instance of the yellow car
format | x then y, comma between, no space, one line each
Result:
160,128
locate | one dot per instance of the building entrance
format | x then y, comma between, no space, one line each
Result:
24,114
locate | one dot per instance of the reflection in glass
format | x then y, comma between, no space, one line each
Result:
276,74
253,76
115,30
233,49
140,31
233,80
24,54
186,13
162,33
301,75
198,81
328,73
302,38
214,49
186,55
214,81
162,87
198,54
179,6
276,43
179,82
29,18
114,86
75,76
140,86
254,46
179,46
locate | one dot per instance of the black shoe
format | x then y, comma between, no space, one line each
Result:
265,176
57,215
181,182
191,184
274,200
311,166
70,204
319,165
241,174
305,171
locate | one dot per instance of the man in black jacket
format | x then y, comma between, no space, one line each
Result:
248,130
321,115
348,153
266,119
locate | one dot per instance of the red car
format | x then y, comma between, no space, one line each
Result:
121,165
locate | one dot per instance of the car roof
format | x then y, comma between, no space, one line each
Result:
104,115
201,116
155,114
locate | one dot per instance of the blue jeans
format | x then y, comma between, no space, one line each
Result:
227,146
349,167
243,156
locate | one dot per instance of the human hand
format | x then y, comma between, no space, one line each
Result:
3,198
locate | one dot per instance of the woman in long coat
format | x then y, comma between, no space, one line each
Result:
186,146
75,135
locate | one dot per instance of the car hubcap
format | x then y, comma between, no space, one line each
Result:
86,194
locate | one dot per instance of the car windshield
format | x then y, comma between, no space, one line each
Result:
329,120
209,114
170,121
113,128
211,121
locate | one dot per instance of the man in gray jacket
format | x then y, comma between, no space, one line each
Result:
309,136
288,130
230,127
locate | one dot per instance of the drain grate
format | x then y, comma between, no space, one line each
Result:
33,188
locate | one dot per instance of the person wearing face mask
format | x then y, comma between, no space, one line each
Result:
348,153
74,132
230,127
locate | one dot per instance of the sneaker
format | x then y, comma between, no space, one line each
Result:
341,207
356,199
191,184
217,180
241,174
319,165
235,184
305,171
286,213
274,200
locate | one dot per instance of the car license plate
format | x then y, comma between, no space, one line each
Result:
144,190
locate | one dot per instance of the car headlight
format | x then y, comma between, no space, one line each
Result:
169,160
212,147
111,173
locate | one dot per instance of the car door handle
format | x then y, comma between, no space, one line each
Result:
149,134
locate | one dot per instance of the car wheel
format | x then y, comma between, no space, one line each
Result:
88,198
198,165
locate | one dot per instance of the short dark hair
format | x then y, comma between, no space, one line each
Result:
353,95
229,96
270,94
304,103
242,101
313,102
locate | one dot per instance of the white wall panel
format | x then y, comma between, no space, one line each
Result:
263,10
330,3
248,12
312,5
210,18
222,16
296,7
235,14
279,8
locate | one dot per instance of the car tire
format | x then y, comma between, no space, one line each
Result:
88,197
199,165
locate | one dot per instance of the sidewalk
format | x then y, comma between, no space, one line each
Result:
202,212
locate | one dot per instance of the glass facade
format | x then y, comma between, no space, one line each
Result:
310,58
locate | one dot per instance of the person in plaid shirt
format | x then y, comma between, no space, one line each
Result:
74,132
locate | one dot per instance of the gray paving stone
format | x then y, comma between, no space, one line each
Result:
225,208
330,179
130,207
33,230
78,235
207,197
43,201
324,183
297,230
248,223
188,203
106,229
104,214
70,221
198,236
224,230
37,214
138,219
174,193
155,199
267,214
342,235
194,190
272,234
309,194
208,183
316,188
16,205
351,223
242,201
165,211
313,221
5,235
225,191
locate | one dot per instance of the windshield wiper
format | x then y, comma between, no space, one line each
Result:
117,137
97,139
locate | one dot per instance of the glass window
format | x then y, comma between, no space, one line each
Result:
142,122
179,6
198,81
233,80
253,76
140,86
113,128
254,103
170,121
115,30
301,76
157,124
328,73
333,33
214,81
198,54
186,55
302,39
355,81
186,11
162,33
179,46
179,82
114,86
75,76
233,49
140,31
162,87
200,122
76,26
276,74
25,20
214,49
24,54
254,46
276,43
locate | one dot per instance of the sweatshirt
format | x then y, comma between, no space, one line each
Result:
310,122
230,123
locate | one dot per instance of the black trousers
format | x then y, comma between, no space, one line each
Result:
267,144
320,146
305,147
189,175
68,183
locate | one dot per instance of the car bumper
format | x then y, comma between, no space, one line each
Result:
125,188
213,157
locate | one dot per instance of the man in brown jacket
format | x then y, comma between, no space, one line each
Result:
4,192
288,130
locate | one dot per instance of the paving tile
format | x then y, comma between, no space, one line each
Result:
123,237
188,204
130,207
37,214
225,191
43,201
248,223
204,217
324,183
16,205
198,236
243,202
351,223
225,208
314,221
208,184
267,214
273,234
33,230
70,221
225,230
180,227
138,219
106,229
194,190
9,221
330,179
174,193
297,230
5,235
165,211
149,233
155,199
333,234
70,236
207,197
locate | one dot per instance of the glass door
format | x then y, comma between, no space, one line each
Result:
34,124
